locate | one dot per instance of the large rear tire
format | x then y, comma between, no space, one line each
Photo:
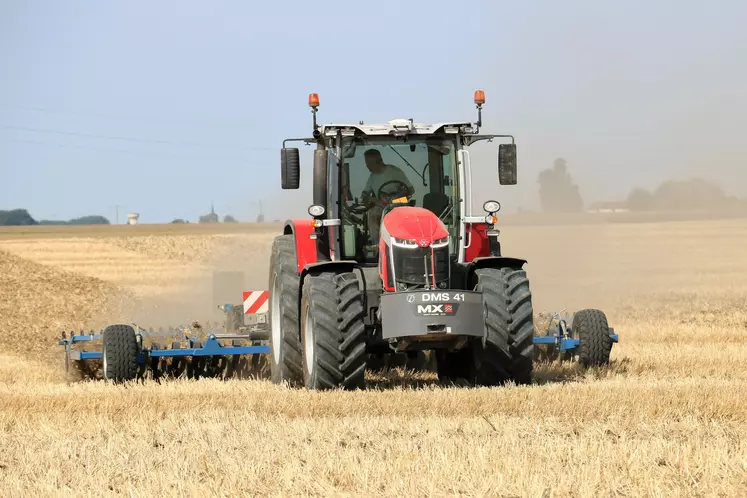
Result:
509,349
119,353
285,346
591,328
333,333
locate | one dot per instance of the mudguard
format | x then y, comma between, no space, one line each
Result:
306,253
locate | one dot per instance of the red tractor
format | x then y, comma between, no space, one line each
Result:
392,259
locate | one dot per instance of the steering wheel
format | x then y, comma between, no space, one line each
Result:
403,189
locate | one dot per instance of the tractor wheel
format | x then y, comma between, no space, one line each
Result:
119,353
333,334
591,329
509,349
285,345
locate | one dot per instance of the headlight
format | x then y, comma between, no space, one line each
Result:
440,242
492,206
403,242
316,210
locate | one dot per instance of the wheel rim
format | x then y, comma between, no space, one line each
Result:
276,330
308,339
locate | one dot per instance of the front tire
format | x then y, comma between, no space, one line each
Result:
285,347
508,352
333,333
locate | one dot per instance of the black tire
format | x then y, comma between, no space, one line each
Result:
119,353
333,334
591,328
284,286
509,349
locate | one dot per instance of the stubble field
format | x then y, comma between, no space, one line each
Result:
667,418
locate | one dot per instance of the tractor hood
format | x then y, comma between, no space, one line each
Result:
414,224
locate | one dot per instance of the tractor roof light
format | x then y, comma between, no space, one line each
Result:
491,219
314,103
316,210
479,97
479,101
491,207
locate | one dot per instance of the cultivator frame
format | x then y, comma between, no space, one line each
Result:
211,351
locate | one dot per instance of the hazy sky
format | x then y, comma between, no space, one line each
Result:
97,97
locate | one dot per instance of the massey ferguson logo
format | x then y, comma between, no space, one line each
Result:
423,242
436,309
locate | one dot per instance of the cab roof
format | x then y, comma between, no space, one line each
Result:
396,127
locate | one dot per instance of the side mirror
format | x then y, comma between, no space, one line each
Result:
290,168
507,164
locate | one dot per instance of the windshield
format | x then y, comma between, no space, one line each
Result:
377,169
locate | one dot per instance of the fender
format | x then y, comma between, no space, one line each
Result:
479,242
324,266
306,252
493,262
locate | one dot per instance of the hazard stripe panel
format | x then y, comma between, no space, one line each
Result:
256,302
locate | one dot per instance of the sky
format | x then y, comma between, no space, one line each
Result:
163,108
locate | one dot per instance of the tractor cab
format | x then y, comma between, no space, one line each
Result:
365,172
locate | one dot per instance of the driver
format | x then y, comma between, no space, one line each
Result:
381,173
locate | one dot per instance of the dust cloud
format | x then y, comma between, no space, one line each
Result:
244,256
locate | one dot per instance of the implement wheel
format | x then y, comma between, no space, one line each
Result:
119,353
333,334
591,329
508,353
285,346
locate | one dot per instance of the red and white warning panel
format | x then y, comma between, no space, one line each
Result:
256,302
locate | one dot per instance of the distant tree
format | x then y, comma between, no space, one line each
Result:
558,193
229,219
53,222
16,217
640,200
179,220
695,194
90,220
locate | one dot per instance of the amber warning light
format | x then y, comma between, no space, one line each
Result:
314,100
479,97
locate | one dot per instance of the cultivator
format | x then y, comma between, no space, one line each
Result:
127,351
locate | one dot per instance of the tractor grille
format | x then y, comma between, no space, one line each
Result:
410,264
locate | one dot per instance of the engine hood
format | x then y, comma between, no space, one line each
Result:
414,224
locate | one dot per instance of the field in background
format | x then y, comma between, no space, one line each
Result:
667,418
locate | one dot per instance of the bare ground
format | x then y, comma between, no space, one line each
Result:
667,418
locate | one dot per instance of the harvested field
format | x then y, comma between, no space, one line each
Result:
667,418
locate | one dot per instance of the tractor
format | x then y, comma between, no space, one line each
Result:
392,259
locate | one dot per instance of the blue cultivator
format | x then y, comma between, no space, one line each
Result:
588,340
123,356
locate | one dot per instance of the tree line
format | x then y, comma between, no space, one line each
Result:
21,217
559,194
